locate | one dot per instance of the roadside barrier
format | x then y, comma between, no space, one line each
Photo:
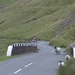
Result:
21,48
72,50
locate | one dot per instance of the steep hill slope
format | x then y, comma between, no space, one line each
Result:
23,19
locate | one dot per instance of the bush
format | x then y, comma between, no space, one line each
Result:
59,42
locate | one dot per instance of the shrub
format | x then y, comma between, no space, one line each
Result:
59,42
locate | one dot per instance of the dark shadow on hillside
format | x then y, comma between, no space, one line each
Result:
30,20
69,21
2,21
2,6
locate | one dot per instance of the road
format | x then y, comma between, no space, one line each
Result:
45,62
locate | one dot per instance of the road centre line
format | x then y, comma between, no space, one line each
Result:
44,46
17,71
40,43
21,69
28,65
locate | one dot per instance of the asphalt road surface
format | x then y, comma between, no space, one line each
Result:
45,62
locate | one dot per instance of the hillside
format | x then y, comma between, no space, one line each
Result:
23,19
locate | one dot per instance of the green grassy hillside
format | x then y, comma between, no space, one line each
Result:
23,19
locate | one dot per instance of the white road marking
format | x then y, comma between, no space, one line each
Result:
52,51
44,46
40,43
21,69
28,64
17,71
